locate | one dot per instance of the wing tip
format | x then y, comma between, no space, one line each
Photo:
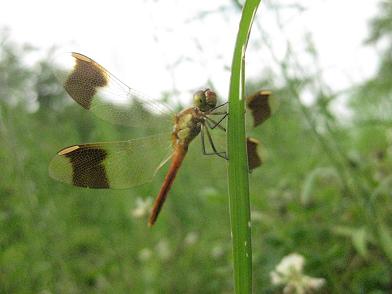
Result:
67,150
81,56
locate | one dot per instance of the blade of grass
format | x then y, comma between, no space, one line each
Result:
238,163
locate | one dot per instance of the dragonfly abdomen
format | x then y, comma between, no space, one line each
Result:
187,127
178,156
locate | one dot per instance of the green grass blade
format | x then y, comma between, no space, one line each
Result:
238,165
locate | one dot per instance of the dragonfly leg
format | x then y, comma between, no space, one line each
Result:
216,107
222,118
215,152
215,123
203,146
218,113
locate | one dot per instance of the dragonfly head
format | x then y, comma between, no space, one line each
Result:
205,100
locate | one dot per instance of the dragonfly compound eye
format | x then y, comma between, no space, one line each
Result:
210,98
199,99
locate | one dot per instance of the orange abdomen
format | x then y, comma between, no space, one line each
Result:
178,156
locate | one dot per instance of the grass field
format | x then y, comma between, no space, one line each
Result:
324,192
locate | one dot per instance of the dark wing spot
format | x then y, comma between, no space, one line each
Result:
83,81
259,106
88,167
254,159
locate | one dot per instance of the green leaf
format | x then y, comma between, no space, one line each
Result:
238,161
310,180
385,240
359,238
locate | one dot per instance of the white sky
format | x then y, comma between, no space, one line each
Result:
157,46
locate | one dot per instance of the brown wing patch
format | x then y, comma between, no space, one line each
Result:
88,168
254,159
83,81
259,105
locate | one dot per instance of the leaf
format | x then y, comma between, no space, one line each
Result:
310,180
383,187
385,240
238,183
359,238
307,188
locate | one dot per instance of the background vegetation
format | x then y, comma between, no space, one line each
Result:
324,191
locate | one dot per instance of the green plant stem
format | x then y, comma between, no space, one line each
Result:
238,163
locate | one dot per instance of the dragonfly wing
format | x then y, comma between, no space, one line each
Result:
97,90
116,165
261,106
254,159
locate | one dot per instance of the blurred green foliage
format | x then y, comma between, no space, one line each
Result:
324,192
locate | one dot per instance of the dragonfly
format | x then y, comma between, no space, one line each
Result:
126,164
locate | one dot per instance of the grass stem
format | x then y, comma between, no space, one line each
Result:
238,163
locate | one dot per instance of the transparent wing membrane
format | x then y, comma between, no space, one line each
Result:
99,91
117,165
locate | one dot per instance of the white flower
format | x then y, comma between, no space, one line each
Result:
191,238
217,251
142,208
256,216
289,273
290,263
314,283
163,249
145,254
208,192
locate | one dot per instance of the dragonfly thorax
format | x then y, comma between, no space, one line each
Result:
187,125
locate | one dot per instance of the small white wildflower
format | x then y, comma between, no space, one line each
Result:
163,249
289,273
217,251
314,283
142,208
276,279
256,216
290,263
208,192
145,254
191,238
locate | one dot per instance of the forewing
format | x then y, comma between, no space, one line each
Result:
261,106
100,92
254,159
116,165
